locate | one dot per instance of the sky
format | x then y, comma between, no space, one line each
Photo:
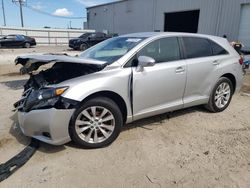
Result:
34,19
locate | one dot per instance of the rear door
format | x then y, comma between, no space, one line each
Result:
95,38
19,40
159,88
100,37
203,69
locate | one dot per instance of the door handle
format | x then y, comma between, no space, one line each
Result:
179,70
216,62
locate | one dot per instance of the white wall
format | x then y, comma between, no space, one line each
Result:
45,36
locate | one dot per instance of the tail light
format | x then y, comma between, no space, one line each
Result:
241,60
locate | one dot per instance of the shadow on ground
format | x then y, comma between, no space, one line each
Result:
147,124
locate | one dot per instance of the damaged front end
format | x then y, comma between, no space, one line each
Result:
38,93
44,98
42,112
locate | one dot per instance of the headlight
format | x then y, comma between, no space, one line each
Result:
51,92
43,97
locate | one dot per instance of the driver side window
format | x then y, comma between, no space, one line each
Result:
162,50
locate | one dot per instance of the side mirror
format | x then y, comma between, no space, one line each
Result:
144,61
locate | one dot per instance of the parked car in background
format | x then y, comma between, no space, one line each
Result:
88,39
17,41
89,98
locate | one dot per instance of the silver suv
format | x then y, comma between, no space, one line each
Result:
89,98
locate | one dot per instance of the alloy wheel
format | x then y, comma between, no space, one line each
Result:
222,95
95,124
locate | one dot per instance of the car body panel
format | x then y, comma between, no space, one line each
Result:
33,62
52,121
161,97
101,81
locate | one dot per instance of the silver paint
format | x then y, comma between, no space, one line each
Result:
156,89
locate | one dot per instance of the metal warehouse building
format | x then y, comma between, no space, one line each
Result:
215,17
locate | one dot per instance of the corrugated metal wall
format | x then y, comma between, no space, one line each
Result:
217,17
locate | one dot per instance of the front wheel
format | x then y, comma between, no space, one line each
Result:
97,123
83,47
221,95
27,45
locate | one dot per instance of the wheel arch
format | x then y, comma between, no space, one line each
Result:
86,43
113,96
232,78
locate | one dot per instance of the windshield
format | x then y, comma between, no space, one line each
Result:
111,49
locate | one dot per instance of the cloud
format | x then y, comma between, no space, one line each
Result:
62,12
89,3
37,6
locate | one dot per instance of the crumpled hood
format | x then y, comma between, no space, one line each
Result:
33,62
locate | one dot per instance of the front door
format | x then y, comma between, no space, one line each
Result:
159,88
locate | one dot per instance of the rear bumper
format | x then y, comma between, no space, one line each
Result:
49,125
239,82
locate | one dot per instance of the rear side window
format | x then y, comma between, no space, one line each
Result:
197,47
20,37
162,50
217,49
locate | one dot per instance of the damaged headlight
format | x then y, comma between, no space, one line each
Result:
46,97
51,92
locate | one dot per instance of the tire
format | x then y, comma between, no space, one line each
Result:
219,101
88,131
26,45
83,47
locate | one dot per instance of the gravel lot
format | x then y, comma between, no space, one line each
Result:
187,148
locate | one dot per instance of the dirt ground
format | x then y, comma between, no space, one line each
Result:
187,148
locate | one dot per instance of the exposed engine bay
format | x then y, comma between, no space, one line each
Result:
37,93
59,72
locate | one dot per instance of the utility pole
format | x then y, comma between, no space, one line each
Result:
21,4
21,10
4,19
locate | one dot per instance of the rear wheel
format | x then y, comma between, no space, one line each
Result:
221,95
97,123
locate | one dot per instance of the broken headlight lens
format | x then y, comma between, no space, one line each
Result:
43,98
51,92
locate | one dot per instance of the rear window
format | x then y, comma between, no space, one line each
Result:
197,47
217,49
